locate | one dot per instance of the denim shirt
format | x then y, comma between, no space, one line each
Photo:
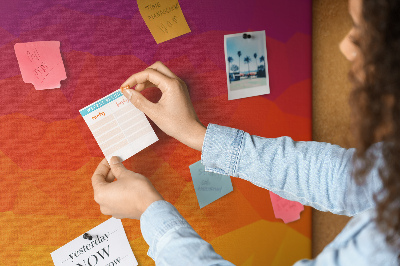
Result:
312,173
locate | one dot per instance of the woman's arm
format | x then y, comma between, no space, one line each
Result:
172,240
312,173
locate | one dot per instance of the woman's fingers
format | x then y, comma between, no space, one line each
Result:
160,67
110,177
141,102
143,86
159,80
100,174
157,66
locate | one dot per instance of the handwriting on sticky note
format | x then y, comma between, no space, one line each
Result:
209,186
164,19
109,246
284,209
41,64
118,126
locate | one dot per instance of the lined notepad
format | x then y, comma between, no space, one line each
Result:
118,126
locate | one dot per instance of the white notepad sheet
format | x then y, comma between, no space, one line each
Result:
118,126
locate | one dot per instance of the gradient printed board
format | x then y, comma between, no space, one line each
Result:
48,154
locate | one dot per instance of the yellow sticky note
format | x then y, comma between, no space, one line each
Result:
164,18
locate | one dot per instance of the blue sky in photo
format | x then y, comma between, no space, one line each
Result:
248,47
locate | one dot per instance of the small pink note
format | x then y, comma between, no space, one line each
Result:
284,209
41,64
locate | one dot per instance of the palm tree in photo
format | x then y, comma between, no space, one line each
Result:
262,59
255,58
230,60
234,68
239,54
247,60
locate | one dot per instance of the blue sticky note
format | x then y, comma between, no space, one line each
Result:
209,186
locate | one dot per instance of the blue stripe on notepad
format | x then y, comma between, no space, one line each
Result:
100,103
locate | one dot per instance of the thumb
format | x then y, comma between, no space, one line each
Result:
117,167
139,101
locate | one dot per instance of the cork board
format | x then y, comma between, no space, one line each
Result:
331,88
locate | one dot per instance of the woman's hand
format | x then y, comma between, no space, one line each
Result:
173,113
128,197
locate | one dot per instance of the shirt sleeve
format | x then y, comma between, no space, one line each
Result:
312,173
359,243
172,241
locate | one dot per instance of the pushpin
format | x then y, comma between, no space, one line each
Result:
88,236
246,36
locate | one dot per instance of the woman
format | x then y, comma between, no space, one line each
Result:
317,174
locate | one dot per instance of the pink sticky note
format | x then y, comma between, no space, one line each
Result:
284,209
41,64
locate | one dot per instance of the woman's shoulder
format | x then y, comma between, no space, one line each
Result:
362,241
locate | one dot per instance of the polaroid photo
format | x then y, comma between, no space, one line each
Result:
246,64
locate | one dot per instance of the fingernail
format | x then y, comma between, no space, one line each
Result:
128,93
124,88
115,160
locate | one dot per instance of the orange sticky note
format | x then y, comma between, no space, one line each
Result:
41,64
284,209
164,18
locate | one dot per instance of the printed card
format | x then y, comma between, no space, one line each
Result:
118,126
41,64
108,246
209,186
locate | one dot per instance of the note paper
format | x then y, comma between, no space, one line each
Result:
41,64
164,18
110,246
118,126
284,209
209,186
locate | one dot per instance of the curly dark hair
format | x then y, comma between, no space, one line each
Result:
375,103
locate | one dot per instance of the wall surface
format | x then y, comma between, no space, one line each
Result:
48,153
331,89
